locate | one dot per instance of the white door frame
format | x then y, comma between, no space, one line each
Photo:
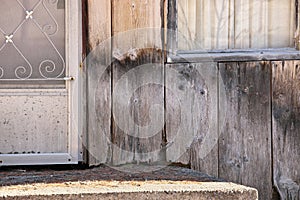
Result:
73,60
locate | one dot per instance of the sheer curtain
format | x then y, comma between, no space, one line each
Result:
236,24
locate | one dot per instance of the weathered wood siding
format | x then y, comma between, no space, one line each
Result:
122,35
134,96
286,127
245,138
98,82
135,44
254,105
192,115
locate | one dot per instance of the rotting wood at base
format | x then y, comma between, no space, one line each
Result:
286,128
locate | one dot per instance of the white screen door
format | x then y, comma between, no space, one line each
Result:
39,63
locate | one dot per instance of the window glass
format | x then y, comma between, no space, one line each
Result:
236,24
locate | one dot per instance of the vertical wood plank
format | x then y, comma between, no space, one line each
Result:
137,40
83,141
134,140
99,84
286,128
132,15
191,115
230,140
99,22
247,126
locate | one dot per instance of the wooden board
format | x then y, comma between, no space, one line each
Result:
286,128
130,17
137,41
191,115
99,82
245,137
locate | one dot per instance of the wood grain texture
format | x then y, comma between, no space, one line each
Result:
99,22
191,115
138,108
234,56
99,82
286,128
245,138
137,41
134,16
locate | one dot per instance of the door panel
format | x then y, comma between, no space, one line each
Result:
33,123
39,81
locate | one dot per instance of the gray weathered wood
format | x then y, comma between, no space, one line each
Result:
99,82
138,108
191,115
137,40
245,137
235,56
286,128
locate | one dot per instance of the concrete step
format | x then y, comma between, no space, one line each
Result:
130,190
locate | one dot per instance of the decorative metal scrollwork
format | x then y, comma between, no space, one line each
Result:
48,27
1,72
47,68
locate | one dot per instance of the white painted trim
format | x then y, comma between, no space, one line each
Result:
34,92
73,60
36,159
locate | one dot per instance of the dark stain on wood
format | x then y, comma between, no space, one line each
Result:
136,57
286,128
247,126
189,81
286,105
85,30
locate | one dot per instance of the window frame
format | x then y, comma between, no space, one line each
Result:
176,55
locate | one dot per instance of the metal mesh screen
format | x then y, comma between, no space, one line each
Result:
32,42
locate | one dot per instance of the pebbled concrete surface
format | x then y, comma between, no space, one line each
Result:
148,182
130,190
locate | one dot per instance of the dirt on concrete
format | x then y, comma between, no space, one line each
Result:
59,174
